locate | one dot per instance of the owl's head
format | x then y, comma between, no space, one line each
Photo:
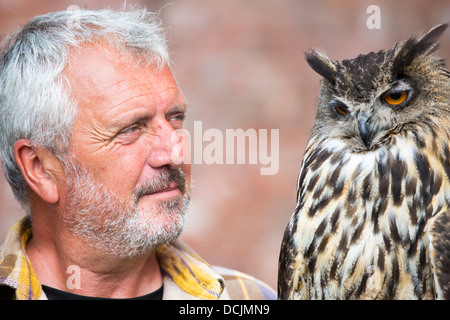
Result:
365,100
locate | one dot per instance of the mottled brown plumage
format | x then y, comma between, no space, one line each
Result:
372,219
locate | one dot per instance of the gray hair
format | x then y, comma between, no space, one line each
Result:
35,102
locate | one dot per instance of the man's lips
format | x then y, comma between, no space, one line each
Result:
172,187
167,183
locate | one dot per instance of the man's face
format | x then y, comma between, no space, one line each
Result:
121,173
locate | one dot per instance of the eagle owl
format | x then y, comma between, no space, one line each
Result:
372,219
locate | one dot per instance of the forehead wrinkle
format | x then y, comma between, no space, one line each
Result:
129,105
91,69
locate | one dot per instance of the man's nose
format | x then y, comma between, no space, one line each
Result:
162,145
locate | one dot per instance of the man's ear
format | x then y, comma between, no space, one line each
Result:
38,167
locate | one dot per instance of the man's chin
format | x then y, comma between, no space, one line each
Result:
152,235
157,224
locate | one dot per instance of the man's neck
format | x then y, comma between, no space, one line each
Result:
74,267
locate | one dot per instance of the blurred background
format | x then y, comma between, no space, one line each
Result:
241,65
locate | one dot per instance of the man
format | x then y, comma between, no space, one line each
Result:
88,112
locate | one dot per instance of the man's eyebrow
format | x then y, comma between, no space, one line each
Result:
178,108
123,122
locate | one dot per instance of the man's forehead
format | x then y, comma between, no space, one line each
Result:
91,65
98,74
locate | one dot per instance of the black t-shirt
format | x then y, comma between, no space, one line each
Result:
55,294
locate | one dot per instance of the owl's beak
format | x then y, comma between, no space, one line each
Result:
364,130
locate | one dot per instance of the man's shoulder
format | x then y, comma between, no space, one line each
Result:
241,286
190,272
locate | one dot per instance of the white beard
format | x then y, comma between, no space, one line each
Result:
117,227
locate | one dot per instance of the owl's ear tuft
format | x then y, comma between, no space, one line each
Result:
322,65
415,47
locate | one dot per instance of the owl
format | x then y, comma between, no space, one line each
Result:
372,219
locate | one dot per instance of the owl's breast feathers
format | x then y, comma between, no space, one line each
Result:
361,227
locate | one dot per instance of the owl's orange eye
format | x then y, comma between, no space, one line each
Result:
339,107
340,110
394,99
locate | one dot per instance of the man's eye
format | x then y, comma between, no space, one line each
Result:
176,120
178,117
129,129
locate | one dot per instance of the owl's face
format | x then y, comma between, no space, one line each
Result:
366,100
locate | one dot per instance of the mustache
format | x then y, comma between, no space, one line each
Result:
163,180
